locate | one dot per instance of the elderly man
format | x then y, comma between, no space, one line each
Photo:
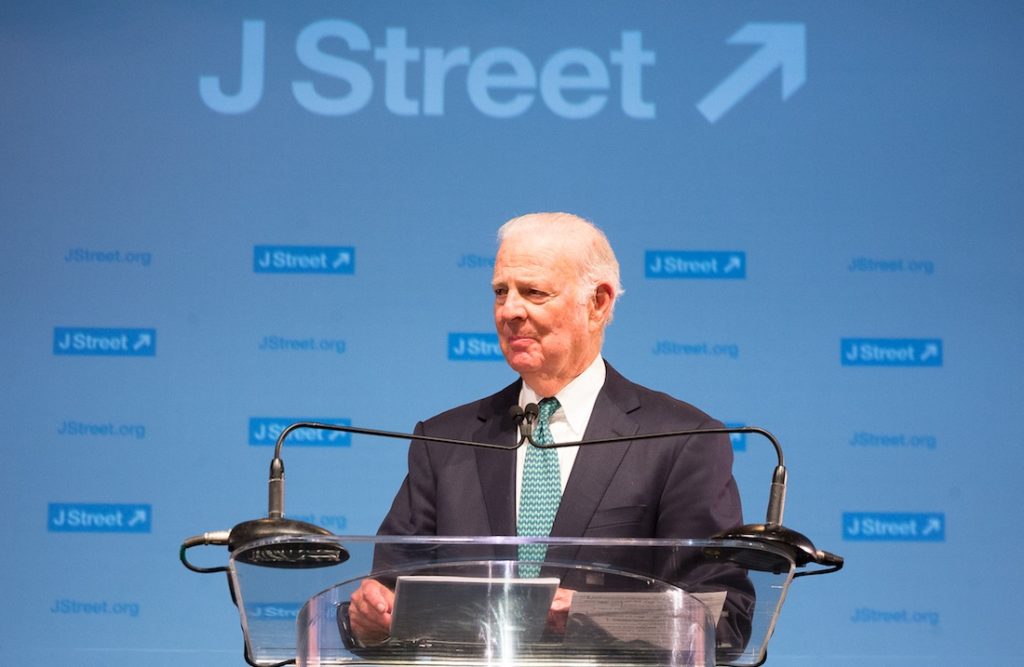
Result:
555,283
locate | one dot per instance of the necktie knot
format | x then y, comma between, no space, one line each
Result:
548,407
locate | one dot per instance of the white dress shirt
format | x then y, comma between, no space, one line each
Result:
569,421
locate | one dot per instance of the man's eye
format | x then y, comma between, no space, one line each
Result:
500,291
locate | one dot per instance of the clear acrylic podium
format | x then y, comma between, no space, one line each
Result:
469,601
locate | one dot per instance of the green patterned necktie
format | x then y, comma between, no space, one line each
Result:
541,492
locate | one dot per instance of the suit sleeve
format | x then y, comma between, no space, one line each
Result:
700,497
701,500
414,510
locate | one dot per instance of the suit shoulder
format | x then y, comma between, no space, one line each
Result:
470,415
664,407
660,399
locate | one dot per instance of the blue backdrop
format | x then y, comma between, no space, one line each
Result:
222,217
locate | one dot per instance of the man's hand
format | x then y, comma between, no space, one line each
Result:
369,613
558,615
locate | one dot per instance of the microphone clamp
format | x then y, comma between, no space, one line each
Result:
524,419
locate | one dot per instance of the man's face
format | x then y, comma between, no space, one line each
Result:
548,333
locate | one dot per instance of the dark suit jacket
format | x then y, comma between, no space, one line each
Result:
666,488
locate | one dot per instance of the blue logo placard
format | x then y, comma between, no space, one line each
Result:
338,260
280,611
738,440
104,342
891,351
99,518
474,347
894,526
273,611
696,264
266,430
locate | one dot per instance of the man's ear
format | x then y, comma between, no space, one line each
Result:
601,302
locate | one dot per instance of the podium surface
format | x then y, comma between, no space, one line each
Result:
469,601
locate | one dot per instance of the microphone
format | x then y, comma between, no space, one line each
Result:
532,413
524,419
518,416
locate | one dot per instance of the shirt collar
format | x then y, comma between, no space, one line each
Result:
576,398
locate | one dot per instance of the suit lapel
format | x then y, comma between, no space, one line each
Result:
595,465
495,467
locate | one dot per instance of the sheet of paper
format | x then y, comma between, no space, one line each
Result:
658,619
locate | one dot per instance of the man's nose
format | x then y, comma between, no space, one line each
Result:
513,307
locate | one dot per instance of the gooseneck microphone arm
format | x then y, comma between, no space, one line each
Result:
524,418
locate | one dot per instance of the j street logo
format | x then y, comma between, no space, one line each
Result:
738,440
695,349
894,526
86,255
266,431
500,81
695,264
471,260
899,265
95,607
85,341
281,611
273,611
339,260
875,440
895,616
891,351
74,427
474,347
99,518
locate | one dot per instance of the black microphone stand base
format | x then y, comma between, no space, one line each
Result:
284,553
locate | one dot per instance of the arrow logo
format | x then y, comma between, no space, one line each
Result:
138,518
783,46
343,259
931,351
735,263
934,525
144,340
